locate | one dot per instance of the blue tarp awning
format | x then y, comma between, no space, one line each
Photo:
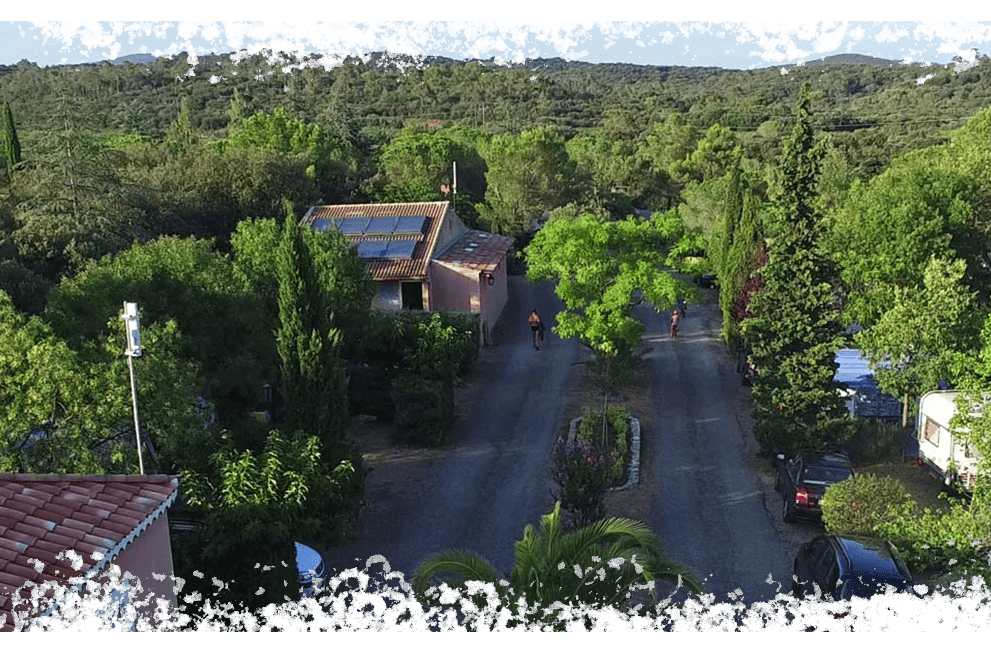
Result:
855,373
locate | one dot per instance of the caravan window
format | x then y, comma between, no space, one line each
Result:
931,432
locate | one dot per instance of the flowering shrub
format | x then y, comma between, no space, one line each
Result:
582,472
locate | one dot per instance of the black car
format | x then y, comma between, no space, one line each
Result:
838,568
803,480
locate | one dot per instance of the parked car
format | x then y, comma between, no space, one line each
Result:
311,568
803,480
838,568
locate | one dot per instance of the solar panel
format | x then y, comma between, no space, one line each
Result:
399,250
371,250
381,226
321,225
410,225
354,226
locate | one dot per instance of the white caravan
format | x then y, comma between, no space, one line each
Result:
949,456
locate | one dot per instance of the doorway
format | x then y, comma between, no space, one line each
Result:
413,295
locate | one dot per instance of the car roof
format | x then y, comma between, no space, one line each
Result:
307,558
865,555
829,459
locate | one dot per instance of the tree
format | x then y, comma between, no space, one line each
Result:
553,566
414,166
736,249
256,504
598,266
74,206
70,412
9,145
928,334
184,280
314,383
887,231
344,277
528,174
795,330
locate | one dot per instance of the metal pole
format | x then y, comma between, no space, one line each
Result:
134,403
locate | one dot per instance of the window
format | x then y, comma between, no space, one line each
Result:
117,610
930,431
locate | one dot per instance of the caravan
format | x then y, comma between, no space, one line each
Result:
950,457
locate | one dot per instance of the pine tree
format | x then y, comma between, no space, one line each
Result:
9,144
796,329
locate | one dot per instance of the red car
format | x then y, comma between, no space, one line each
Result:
803,480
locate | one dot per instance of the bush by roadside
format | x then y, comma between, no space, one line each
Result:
855,506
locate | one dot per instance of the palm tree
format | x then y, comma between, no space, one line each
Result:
548,562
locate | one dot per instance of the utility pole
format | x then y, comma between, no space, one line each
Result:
130,317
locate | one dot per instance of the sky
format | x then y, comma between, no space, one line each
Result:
720,33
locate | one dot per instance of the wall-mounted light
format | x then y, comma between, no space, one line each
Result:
490,278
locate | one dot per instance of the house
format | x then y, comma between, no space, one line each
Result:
422,256
859,387
124,518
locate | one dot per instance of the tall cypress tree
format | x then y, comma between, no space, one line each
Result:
8,140
796,329
314,382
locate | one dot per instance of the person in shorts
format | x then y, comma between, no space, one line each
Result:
675,319
536,328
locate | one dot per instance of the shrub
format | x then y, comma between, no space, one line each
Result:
590,430
874,441
935,541
424,409
855,506
582,473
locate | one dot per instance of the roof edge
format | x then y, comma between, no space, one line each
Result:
116,550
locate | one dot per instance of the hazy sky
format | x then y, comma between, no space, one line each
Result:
724,34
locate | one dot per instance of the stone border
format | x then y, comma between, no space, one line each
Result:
633,478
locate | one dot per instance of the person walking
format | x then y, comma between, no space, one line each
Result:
536,328
675,320
682,307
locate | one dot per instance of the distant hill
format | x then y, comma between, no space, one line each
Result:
850,59
137,59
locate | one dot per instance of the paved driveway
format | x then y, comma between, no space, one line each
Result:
712,511
480,494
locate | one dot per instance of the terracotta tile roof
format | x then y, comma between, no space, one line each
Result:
42,515
481,251
414,268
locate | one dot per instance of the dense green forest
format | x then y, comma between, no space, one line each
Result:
177,185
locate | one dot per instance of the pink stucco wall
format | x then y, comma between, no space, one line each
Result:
151,553
456,288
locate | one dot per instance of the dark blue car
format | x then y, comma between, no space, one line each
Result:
838,568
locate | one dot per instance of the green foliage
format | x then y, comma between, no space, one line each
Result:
598,266
437,343
597,565
256,504
10,146
185,280
857,505
414,165
70,412
611,438
424,409
938,540
313,380
528,174
582,471
927,332
796,330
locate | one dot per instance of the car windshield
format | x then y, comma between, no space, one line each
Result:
825,474
867,586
